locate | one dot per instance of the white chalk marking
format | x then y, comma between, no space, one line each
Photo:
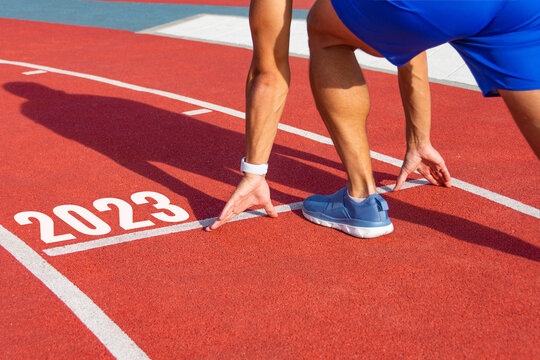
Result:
34,72
144,234
500,199
107,332
196,112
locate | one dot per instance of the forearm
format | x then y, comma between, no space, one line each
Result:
269,75
416,98
266,92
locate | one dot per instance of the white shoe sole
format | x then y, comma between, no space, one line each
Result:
356,231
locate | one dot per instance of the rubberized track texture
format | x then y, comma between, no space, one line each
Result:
110,115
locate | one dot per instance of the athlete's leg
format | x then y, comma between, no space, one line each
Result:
341,93
525,109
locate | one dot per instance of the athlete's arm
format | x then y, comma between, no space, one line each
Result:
268,77
416,98
266,91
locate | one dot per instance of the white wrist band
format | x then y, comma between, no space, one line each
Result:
253,169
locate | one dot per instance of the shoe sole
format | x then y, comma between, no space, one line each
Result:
356,231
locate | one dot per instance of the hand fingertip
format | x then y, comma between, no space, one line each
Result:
215,225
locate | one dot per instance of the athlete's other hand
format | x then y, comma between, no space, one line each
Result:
428,162
252,191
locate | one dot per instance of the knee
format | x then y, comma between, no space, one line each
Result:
315,26
271,79
269,68
268,77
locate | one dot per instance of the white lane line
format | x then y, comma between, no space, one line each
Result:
497,198
113,240
34,72
196,112
144,234
200,103
107,332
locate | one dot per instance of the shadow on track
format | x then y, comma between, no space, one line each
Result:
134,135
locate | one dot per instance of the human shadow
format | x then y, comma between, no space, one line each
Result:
463,229
137,135
134,135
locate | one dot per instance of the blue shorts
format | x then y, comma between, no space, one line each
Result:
498,39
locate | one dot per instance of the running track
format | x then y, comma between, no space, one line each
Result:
457,279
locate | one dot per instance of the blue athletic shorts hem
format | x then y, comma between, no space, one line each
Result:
499,40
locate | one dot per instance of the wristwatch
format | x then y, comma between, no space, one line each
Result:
245,167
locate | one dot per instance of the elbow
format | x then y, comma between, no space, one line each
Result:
271,76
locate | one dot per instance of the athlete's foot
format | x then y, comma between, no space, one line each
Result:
367,219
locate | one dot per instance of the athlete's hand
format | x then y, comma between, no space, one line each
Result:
252,190
428,162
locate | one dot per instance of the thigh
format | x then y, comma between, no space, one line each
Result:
395,30
326,29
400,30
525,109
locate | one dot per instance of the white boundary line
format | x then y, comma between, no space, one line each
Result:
196,112
107,332
35,72
198,224
202,104
499,199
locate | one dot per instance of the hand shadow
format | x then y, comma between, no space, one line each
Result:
134,134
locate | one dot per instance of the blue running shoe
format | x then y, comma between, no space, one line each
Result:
367,219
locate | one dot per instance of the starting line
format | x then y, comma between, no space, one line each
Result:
198,224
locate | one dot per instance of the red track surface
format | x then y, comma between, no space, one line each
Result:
458,277
297,4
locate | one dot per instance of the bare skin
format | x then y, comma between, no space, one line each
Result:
525,109
342,98
420,155
337,80
266,92
343,101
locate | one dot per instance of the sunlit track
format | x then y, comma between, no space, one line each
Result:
487,194
110,335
